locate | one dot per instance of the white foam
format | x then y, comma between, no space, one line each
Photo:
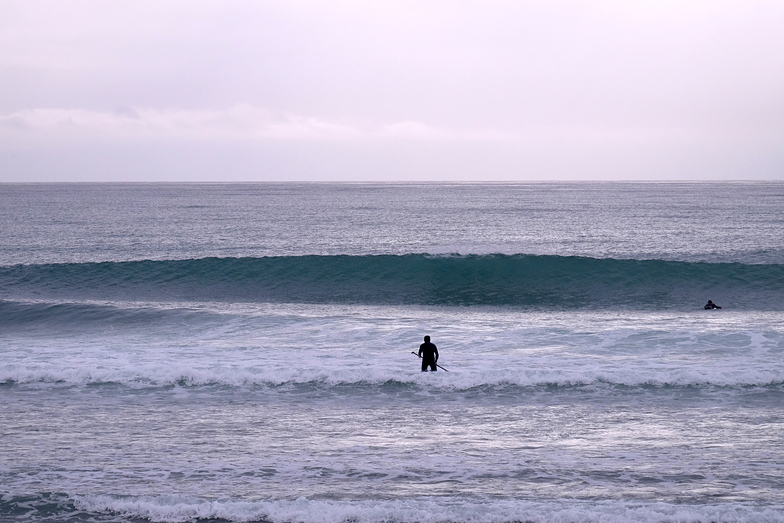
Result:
372,346
177,373
177,509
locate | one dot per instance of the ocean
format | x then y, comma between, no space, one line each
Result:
243,353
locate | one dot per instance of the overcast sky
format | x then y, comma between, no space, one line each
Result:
96,90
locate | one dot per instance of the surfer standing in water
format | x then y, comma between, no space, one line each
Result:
429,354
710,305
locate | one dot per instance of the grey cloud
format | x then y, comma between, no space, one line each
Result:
656,83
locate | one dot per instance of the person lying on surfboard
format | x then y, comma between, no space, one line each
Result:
711,305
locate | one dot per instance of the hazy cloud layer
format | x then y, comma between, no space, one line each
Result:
492,90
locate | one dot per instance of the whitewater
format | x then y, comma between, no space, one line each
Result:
242,352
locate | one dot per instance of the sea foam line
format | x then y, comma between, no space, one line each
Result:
179,509
165,374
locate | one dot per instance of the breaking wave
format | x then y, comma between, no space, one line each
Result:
181,509
522,281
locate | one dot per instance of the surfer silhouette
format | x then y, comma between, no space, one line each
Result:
710,305
429,354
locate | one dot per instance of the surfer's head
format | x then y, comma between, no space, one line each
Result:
427,339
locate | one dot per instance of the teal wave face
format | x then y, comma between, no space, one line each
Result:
488,280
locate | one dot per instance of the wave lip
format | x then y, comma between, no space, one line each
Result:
525,281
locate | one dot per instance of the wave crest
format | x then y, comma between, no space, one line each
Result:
474,280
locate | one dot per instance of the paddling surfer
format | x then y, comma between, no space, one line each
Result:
710,305
429,354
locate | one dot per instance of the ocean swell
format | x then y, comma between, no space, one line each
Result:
524,281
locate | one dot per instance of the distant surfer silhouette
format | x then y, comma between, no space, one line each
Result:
429,354
710,305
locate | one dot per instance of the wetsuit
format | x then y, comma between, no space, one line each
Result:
429,354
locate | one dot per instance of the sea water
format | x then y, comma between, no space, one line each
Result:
244,353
